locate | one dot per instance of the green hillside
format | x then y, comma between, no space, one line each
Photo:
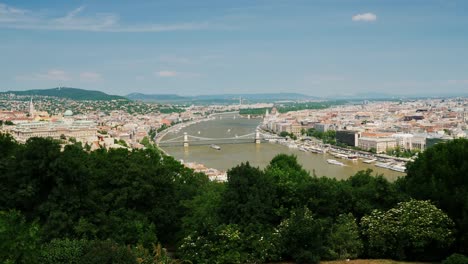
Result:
70,93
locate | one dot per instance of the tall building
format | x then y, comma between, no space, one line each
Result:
32,112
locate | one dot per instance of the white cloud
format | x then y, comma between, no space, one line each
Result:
11,17
90,77
366,17
51,75
166,73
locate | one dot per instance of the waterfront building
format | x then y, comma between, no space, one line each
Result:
380,145
348,137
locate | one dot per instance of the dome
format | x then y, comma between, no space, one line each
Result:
68,113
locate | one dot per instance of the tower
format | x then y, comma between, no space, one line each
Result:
32,112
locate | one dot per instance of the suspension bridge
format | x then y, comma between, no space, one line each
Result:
186,140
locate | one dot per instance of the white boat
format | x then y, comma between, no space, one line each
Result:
369,161
213,146
335,162
383,165
399,168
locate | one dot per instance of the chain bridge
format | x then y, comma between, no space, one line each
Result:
186,140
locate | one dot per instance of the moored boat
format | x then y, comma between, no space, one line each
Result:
213,146
335,162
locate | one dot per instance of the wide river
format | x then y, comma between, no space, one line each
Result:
260,155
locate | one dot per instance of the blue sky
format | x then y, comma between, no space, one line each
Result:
316,47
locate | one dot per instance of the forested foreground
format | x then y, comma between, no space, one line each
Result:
116,206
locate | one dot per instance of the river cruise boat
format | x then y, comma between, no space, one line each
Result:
369,161
213,146
399,168
383,165
335,162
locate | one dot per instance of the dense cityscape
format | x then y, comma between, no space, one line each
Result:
232,132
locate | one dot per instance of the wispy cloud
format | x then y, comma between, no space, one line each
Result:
172,74
51,75
167,73
75,20
90,77
365,17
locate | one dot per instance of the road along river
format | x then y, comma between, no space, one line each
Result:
230,155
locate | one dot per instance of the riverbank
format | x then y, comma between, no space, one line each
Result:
314,145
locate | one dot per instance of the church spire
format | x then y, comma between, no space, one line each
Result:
32,112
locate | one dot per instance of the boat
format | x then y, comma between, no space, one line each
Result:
352,157
399,168
335,162
383,165
369,161
213,146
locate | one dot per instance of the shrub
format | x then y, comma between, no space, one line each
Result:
456,259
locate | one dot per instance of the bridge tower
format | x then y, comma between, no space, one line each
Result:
257,137
186,141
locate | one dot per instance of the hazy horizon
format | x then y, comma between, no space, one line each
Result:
318,48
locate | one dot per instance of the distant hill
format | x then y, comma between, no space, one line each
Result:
220,97
70,93
155,97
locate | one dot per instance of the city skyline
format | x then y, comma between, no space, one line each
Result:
318,48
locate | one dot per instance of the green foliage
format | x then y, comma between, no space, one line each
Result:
328,137
290,181
405,153
248,198
228,244
6,123
71,93
287,134
308,105
222,244
158,255
302,237
253,111
203,210
371,192
19,240
170,110
163,127
98,252
440,174
344,241
412,230
456,259
63,251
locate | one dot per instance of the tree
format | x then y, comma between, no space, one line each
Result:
412,230
248,198
302,237
19,240
370,192
440,174
344,241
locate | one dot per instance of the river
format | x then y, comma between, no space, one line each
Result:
230,155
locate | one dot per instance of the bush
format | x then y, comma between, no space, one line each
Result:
456,259
412,230
103,252
63,251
